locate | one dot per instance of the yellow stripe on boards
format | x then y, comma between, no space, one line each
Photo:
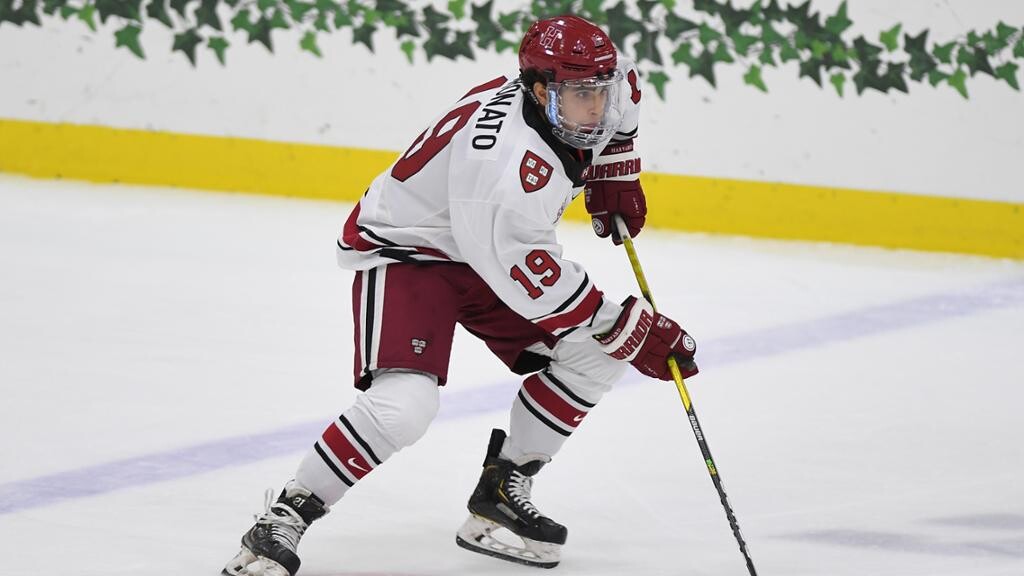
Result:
689,203
101,154
795,212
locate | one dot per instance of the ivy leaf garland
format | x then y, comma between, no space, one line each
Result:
659,34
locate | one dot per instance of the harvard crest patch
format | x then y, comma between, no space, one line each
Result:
534,172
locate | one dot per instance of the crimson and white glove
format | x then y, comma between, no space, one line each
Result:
606,198
646,339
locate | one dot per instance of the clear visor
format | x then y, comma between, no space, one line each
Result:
585,113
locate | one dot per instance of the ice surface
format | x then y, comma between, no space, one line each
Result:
166,355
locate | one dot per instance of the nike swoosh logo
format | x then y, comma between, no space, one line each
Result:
578,418
352,463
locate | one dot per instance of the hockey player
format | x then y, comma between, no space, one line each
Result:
461,229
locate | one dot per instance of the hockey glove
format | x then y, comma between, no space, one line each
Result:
646,339
606,198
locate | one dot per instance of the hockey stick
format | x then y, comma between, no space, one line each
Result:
691,413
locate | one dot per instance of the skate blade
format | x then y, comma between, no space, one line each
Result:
475,535
248,564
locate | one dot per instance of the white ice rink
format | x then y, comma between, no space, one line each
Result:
166,356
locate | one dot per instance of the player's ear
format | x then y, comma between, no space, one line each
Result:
541,92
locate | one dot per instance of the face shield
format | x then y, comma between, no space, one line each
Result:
585,113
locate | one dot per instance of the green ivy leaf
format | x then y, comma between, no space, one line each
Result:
261,32
457,8
219,47
944,52
1005,32
722,54
839,23
621,24
839,81
1018,50
278,20
364,35
591,9
767,56
742,42
1008,72
894,77
819,48
299,9
67,12
647,47
975,59
433,19
675,26
704,67
408,47
243,21
50,7
646,6
87,14
811,68
126,9
936,76
487,31
959,81
206,15
753,78
658,79
787,53
502,45
508,22
840,54
181,7
308,44
708,34
186,42
921,62
157,10
992,43
128,37
891,38
683,54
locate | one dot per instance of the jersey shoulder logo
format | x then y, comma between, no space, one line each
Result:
534,172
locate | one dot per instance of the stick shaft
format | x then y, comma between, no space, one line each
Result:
684,395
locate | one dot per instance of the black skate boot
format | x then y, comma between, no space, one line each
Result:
268,548
502,500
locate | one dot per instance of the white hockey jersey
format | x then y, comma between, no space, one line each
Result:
485,185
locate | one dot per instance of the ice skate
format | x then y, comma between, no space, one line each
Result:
501,500
268,548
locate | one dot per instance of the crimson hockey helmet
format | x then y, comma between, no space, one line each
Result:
567,48
579,62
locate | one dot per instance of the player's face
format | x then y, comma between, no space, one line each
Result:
584,105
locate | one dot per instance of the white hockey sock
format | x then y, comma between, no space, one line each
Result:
544,414
394,413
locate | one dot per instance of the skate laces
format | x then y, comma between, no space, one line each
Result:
285,524
519,486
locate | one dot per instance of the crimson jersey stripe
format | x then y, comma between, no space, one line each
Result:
581,313
350,234
554,404
496,83
346,453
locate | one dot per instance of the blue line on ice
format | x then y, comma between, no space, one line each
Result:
240,450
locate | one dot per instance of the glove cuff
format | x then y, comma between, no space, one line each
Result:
630,330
